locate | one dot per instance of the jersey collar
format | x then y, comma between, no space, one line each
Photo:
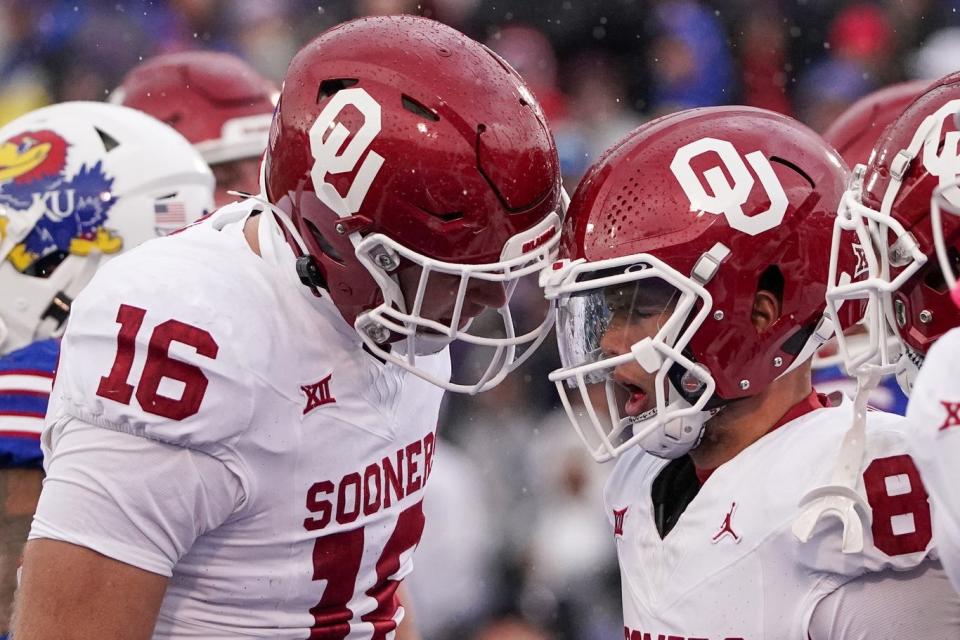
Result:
812,402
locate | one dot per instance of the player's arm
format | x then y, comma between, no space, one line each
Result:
116,514
918,603
26,376
148,397
19,492
408,626
73,593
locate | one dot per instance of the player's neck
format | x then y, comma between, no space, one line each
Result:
744,422
251,231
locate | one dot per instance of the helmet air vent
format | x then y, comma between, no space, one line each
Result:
416,108
803,174
330,87
449,217
109,142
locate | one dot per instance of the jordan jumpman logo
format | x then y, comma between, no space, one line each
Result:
727,527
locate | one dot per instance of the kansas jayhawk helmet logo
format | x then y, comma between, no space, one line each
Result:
71,209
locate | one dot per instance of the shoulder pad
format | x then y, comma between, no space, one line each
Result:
160,345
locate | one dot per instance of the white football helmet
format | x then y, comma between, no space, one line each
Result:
80,182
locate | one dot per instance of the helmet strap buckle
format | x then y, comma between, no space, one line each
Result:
309,272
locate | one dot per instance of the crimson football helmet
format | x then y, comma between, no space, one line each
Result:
857,130
419,173
854,135
679,225
889,207
215,100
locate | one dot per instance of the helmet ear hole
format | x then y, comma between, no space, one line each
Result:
934,278
323,243
768,299
772,280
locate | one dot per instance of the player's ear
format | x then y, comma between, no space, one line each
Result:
768,298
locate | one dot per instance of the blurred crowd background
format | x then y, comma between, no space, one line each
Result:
517,545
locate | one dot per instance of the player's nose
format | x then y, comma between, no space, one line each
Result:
614,343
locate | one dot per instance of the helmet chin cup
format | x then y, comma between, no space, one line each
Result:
674,438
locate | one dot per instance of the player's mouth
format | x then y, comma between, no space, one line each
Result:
636,403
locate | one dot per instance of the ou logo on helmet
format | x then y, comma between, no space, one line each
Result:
331,157
946,164
728,199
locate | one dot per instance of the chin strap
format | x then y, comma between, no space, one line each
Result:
821,334
840,498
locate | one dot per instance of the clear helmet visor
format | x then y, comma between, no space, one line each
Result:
599,320
621,331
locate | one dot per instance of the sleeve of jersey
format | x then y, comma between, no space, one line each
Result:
26,377
898,530
900,533
912,604
157,351
934,418
132,499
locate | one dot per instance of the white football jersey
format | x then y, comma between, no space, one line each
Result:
731,567
934,416
195,341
